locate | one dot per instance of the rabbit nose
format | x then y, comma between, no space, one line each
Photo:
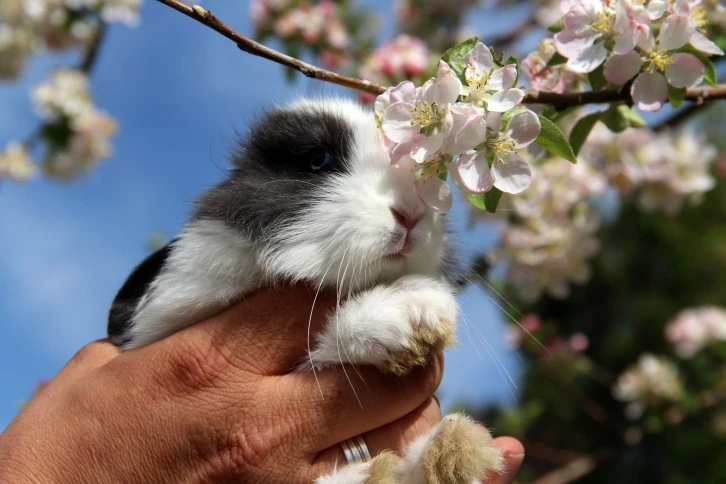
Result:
405,219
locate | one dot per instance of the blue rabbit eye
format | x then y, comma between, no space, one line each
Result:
320,160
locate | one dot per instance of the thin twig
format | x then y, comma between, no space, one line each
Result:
255,48
570,472
565,100
91,55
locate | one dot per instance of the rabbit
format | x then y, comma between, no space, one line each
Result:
313,197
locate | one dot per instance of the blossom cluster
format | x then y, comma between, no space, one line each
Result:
550,237
695,328
656,44
476,128
651,381
542,75
530,328
31,25
666,168
403,58
77,133
317,24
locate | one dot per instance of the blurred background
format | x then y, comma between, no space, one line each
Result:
593,326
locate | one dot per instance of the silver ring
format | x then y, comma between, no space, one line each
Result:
355,450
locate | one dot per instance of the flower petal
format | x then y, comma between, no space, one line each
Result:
396,122
474,173
503,78
505,100
619,69
650,91
524,128
403,149
427,147
675,33
589,59
685,71
511,173
702,43
572,43
471,133
435,193
447,85
478,61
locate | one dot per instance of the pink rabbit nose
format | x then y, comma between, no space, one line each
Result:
405,219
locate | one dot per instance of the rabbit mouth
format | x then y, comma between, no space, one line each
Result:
401,247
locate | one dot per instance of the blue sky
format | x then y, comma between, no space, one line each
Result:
179,92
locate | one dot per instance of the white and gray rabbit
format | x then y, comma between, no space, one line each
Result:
312,197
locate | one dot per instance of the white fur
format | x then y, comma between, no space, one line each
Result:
342,241
209,266
380,322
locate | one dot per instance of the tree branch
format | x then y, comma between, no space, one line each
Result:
565,100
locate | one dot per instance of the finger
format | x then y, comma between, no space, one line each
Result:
266,333
513,453
340,403
394,436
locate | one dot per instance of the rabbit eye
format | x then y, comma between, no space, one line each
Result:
320,160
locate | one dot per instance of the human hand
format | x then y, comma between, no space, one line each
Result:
217,402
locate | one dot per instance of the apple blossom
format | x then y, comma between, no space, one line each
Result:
542,76
695,328
487,86
651,381
15,163
548,242
588,24
402,58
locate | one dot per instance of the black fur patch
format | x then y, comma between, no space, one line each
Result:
273,181
127,298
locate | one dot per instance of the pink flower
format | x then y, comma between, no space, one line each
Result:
543,77
402,58
490,87
582,41
650,88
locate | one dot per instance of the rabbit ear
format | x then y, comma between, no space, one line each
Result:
120,316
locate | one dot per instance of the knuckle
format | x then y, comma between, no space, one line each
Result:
240,450
194,367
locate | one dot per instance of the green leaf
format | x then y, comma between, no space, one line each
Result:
556,60
491,199
676,95
582,129
477,199
486,201
557,26
553,140
597,78
456,56
633,117
620,117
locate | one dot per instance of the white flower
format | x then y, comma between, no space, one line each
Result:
15,163
542,76
511,171
66,94
652,380
548,243
694,328
487,86
588,24
650,88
